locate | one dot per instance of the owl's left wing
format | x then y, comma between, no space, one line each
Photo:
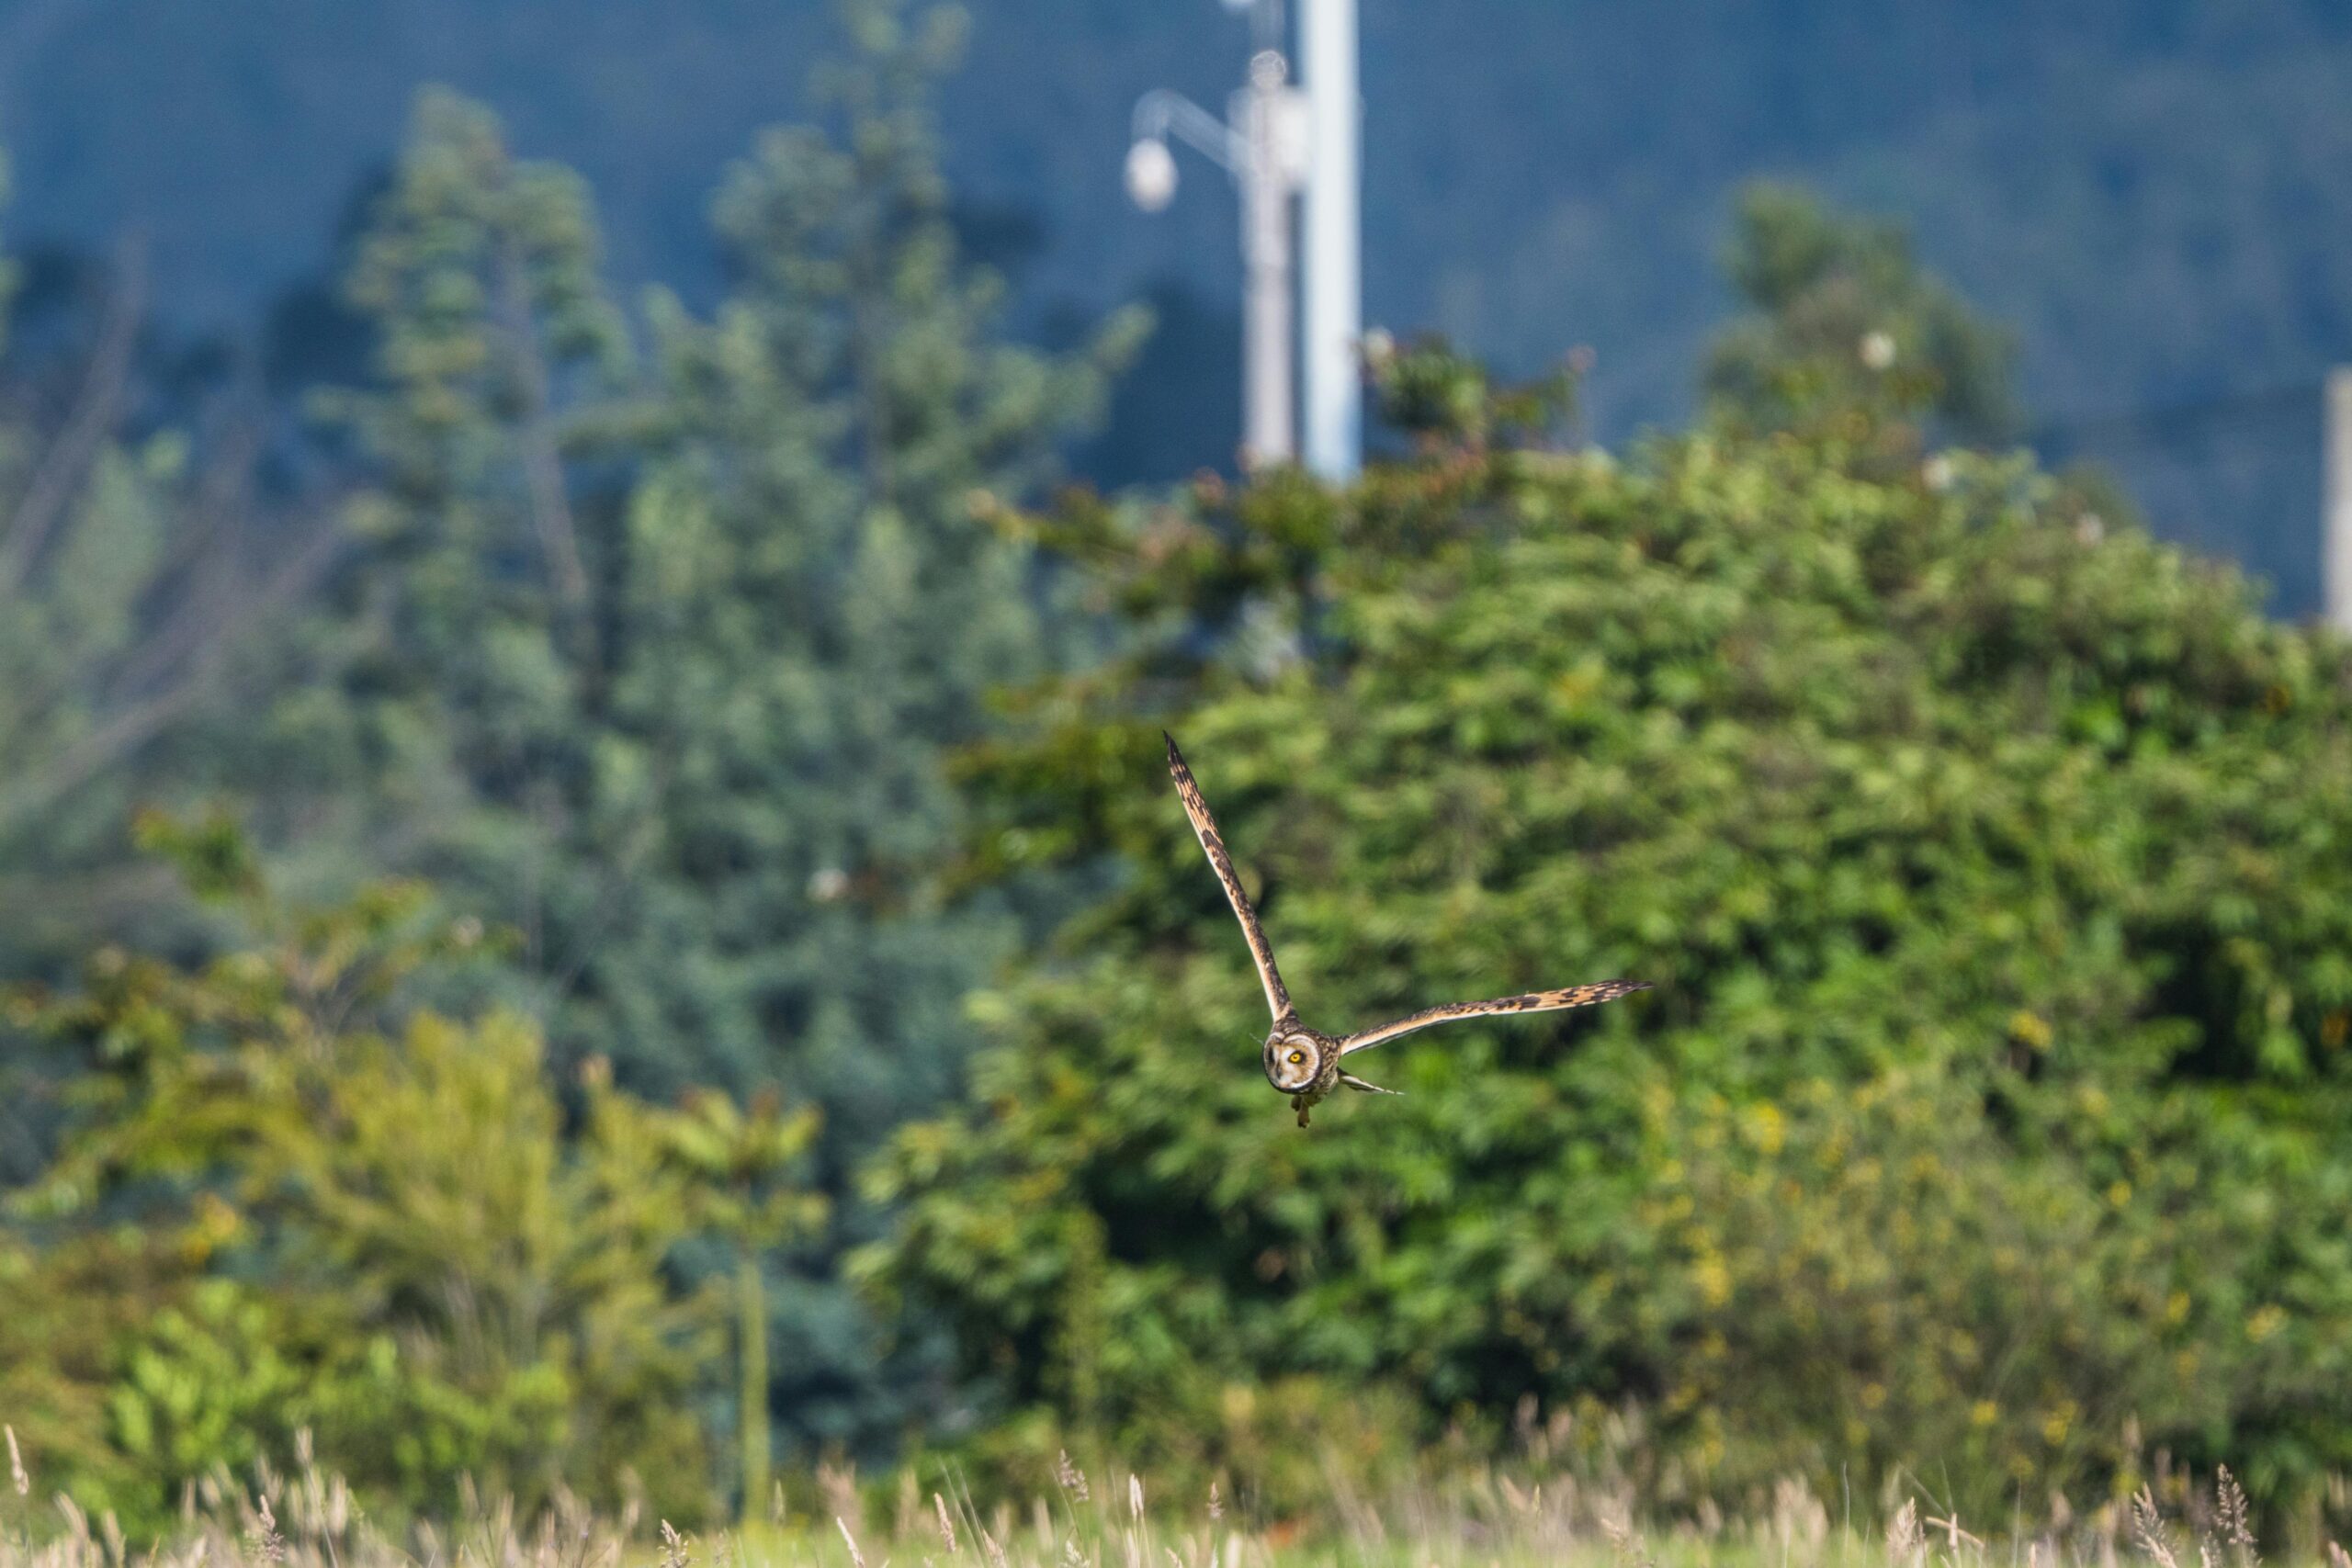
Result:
1533,1001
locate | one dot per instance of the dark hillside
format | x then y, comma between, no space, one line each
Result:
2158,196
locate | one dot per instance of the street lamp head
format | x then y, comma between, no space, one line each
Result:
1151,173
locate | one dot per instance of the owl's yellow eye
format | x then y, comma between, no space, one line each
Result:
1297,1056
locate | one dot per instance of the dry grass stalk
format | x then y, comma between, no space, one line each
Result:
24,1483
1904,1540
946,1523
2148,1529
1626,1542
1953,1535
2237,1533
267,1544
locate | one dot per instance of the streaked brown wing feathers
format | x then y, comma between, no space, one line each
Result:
1531,1001
1204,829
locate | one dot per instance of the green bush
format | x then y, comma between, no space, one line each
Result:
285,1202
1990,860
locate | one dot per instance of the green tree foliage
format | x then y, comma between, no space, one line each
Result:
287,1200
440,716
656,660
818,612
1843,324
820,607
1990,1110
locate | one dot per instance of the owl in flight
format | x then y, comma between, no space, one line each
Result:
1302,1063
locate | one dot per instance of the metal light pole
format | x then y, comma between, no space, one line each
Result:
1333,348
1275,142
2336,536
1261,143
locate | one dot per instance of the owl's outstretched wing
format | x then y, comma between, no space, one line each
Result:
1534,1002
1204,829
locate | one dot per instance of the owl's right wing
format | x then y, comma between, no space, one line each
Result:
1204,829
1534,1002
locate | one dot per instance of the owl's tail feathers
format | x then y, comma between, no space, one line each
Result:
1358,1084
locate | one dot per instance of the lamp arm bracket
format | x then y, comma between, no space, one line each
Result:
1161,113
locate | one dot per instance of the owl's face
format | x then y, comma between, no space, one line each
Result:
1294,1059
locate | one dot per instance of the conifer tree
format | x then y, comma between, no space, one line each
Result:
440,715
661,665
818,608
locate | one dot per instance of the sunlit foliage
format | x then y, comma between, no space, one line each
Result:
288,1201
657,630
1990,865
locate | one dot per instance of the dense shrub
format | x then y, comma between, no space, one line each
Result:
1991,861
286,1203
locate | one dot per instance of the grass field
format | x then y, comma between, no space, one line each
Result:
310,1520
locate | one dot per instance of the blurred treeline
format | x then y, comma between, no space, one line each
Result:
612,895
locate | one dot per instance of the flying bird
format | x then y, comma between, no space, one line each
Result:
1305,1063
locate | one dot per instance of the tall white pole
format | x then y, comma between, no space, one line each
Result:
1268,431
2336,548
1334,241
